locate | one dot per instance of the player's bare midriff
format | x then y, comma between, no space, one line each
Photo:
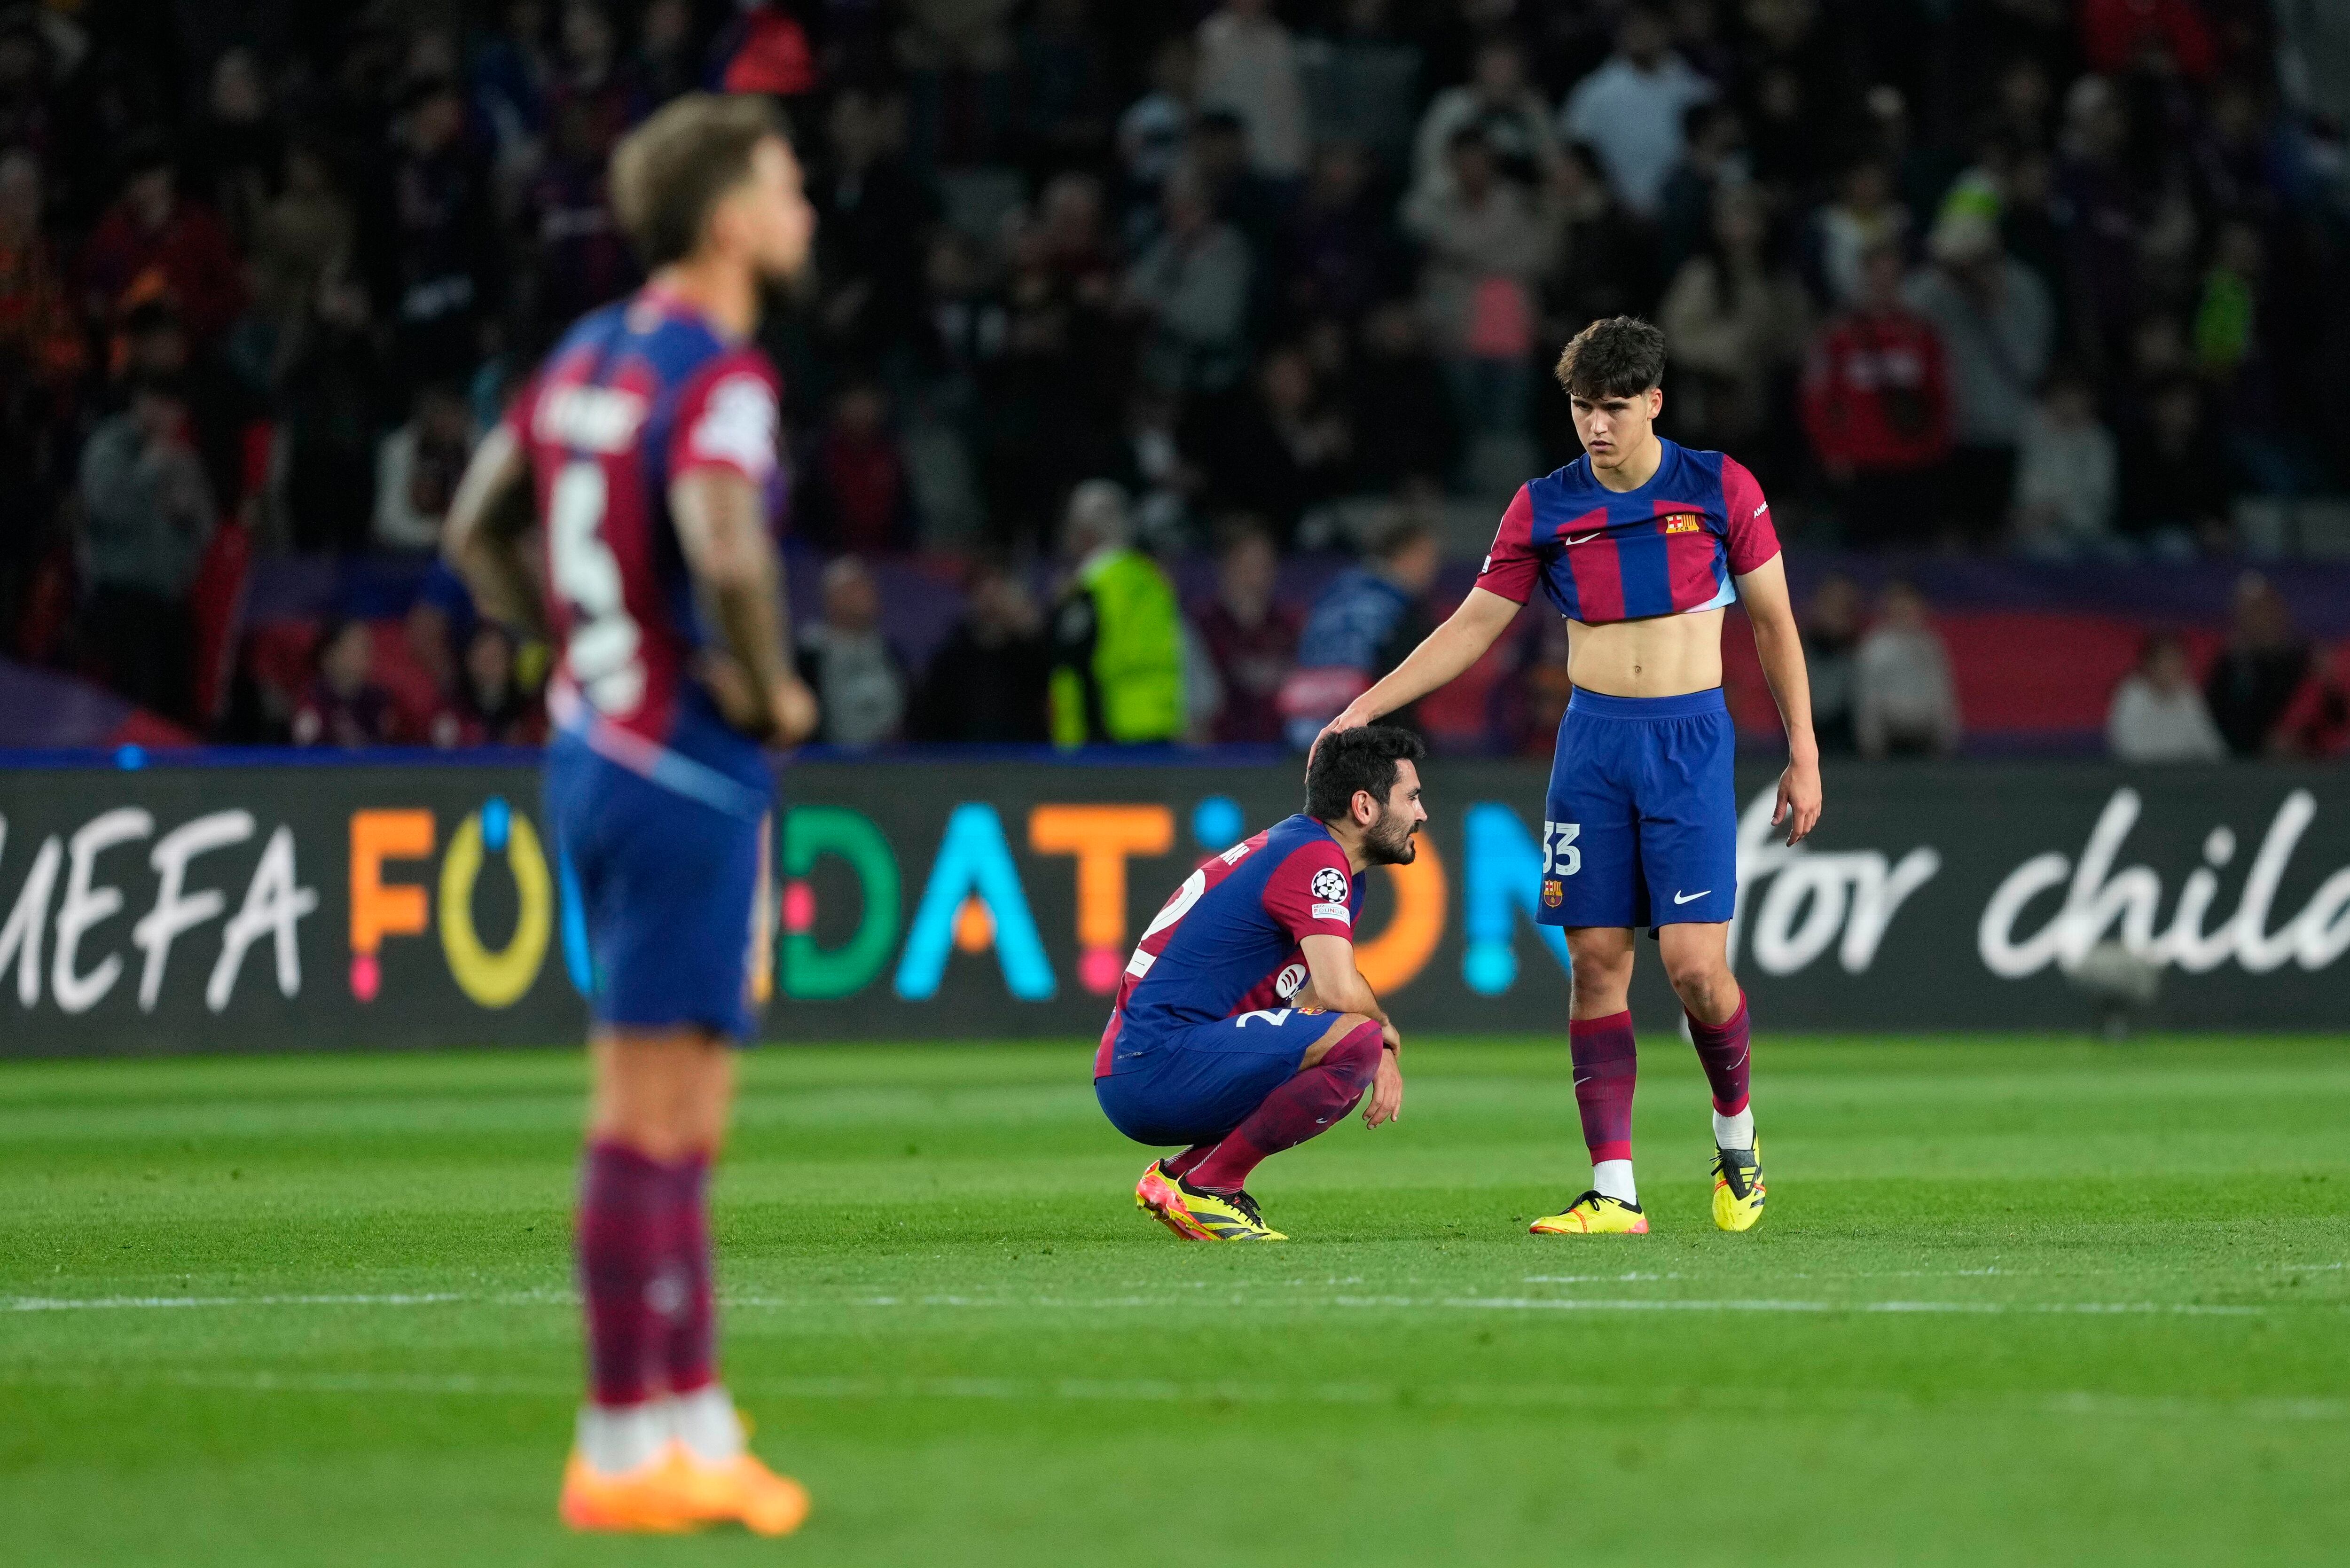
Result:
1662,656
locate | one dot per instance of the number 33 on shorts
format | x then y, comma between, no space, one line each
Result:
1560,856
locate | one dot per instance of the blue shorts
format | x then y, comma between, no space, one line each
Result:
1641,823
675,891
1194,1082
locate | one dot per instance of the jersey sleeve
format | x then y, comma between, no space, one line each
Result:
728,418
1752,540
1513,567
1310,893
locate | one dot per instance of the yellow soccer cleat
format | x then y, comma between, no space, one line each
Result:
741,1490
1594,1214
1198,1215
651,1499
1738,1187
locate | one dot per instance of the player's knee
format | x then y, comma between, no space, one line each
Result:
1602,974
1699,979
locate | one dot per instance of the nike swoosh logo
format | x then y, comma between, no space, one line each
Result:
1585,540
1685,897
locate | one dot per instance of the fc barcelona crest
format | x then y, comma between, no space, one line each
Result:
1554,892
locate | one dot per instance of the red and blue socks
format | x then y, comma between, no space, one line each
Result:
645,1278
1304,1106
1607,1068
1726,1050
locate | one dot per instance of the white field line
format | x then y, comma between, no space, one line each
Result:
1148,1303
1158,1391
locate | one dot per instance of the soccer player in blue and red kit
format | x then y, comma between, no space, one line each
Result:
1242,1027
645,450
1641,544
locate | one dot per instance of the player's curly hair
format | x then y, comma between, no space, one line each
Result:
669,172
1352,760
1618,357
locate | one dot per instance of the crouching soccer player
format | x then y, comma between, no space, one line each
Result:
1242,1027
650,434
1641,544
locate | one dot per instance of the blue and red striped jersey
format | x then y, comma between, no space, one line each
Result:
1675,545
635,395
1227,942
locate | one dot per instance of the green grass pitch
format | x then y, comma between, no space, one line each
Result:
2023,1301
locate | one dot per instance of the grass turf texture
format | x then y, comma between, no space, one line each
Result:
2017,1301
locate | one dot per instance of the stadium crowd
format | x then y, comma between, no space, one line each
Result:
1184,344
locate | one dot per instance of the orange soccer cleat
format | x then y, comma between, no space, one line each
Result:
741,1488
651,1499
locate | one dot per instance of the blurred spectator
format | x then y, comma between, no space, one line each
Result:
1876,404
1339,255
987,681
1283,452
237,146
1609,266
39,339
1248,64
1862,219
2174,482
1904,703
2264,662
1403,421
2066,474
1500,103
491,707
344,707
1361,627
146,514
874,215
1711,160
1191,289
417,468
154,244
2158,715
1630,109
1362,80
1064,89
302,238
849,664
1998,328
444,262
1252,638
2120,36
1487,240
2315,724
330,400
582,260
1152,131
1832,629
1736,324
857,497
1118,640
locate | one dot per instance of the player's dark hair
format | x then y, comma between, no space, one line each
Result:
669,172
1620,357
1363,758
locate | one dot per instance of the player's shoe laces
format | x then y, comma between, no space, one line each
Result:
1198,1215
741,1488
1738,1187
1594,1214
650,1499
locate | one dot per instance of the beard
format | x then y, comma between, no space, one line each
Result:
1391,841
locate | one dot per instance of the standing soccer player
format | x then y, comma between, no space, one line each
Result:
1242,1027
644,448
1641,544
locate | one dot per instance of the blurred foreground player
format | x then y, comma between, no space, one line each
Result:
1641,544
644,448
1242,1027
